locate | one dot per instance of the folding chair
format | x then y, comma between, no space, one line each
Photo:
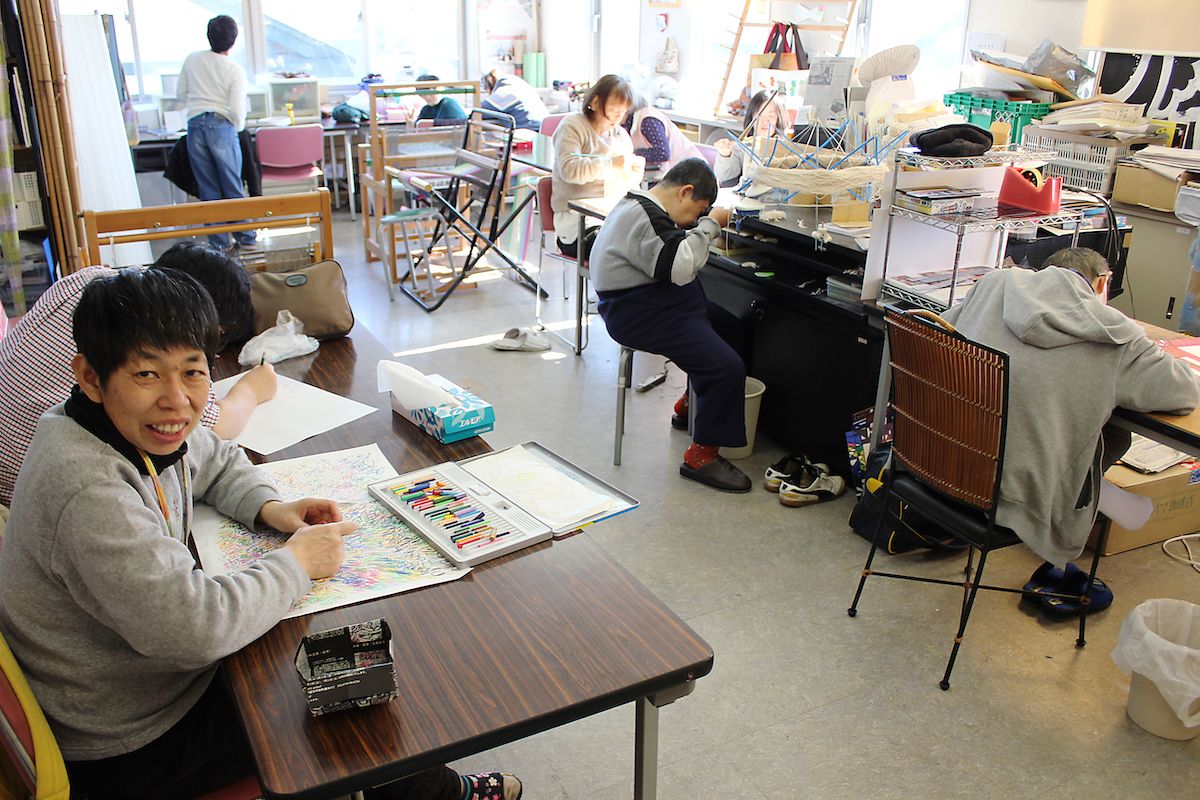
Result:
950,400
462,198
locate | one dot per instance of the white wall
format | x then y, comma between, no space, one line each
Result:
1026,22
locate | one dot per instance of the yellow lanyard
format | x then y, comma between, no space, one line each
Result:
162,496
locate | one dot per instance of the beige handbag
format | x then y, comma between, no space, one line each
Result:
315,294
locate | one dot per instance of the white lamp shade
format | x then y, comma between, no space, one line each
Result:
1161,27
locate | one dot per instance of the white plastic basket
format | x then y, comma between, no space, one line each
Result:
1086,151
1097,180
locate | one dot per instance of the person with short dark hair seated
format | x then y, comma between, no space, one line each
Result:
1072,360
439,108
644,266
117,629
35,358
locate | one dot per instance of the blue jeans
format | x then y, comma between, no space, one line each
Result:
216,158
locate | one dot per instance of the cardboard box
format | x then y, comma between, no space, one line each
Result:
448,423
1140,187
347,667
1176,496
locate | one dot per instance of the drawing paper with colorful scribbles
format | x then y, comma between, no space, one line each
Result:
383,557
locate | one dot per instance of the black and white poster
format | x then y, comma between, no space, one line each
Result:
1168,85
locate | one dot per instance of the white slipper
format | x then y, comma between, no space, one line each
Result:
522,339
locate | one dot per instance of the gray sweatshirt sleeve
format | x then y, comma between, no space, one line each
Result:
117,563
691,253
224,478
1152,380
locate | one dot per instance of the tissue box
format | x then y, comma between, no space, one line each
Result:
447,423
347,667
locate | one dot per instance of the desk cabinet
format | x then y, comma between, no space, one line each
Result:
1156,277
818,359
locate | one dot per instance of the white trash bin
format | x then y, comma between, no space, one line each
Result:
754,393
1159,643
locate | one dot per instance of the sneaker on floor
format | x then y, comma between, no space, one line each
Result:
786,467
719,474
522,339
809,486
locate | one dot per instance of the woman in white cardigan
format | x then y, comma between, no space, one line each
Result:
590,146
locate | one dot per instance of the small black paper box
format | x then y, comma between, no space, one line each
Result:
347,667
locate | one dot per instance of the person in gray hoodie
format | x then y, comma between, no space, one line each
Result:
117,629
1072,360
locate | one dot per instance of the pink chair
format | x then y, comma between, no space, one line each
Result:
550,124
291,155
709,152
545,190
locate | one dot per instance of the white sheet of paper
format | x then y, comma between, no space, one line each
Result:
296,412
539,487
1191,349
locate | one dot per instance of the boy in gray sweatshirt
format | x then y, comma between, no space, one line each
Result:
644,265
116,628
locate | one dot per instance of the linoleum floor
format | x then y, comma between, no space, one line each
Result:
803,701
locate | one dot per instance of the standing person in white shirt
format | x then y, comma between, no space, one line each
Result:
213,87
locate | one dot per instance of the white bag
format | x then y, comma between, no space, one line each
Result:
1160,639
283,341
667,61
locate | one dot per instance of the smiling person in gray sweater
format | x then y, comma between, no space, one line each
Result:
1072,360
116,628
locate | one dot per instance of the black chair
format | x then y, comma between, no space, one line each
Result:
950,403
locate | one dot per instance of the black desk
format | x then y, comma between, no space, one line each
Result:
820,356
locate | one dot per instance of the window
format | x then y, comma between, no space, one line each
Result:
407,38
399,39
314,36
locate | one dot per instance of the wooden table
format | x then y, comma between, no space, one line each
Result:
1180,432
527,642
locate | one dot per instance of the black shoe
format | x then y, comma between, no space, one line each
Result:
719,474
679,421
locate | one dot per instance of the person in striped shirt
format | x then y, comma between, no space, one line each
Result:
35,356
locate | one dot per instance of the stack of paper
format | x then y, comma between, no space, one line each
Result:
1170,162
1147,455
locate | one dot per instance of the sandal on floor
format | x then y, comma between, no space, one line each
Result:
492,786
786,467
1074,580
522,339
1045,578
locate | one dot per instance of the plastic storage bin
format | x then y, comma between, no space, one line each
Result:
1089,162
983,112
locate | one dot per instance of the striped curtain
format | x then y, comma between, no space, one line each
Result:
10,248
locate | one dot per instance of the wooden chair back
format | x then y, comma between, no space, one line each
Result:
214,216
950,404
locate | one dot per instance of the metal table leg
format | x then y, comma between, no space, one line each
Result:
645,754
348,144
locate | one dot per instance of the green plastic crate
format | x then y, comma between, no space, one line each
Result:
983,112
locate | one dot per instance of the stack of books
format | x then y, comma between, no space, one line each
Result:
937,199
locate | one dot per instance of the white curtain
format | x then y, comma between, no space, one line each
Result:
106,178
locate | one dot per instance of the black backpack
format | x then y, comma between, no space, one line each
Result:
913,530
